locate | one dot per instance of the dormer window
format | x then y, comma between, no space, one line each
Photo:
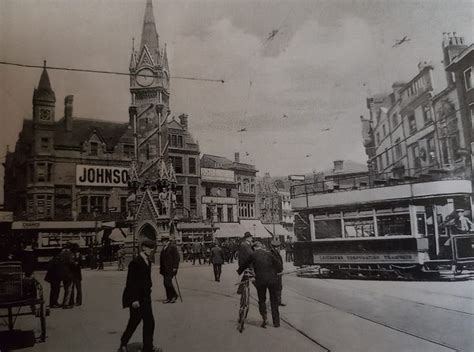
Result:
94,148
44,143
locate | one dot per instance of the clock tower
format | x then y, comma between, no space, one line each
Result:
44,103
152,178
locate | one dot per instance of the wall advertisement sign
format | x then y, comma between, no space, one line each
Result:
100,176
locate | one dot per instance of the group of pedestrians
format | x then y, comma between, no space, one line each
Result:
137,293
267,265
65,268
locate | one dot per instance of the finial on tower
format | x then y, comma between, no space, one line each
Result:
44,63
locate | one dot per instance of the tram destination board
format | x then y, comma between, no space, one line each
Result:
366,258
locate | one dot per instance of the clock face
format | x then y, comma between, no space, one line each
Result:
145,77
45,115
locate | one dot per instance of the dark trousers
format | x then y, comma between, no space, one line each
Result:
196,255
217,271
289,256
55,287
77,289
262,299
67,284
279,289
136,315
170,291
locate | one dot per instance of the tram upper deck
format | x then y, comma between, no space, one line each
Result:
362,190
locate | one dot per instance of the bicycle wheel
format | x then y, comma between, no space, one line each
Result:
244,308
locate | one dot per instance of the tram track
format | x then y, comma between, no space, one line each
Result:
404,299
385,325
255,304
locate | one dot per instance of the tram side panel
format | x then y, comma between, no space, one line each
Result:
302,247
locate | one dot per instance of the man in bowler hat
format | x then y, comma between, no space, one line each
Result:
137,297
169,263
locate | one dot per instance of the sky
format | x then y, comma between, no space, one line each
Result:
299,94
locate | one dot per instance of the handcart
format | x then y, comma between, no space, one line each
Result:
21,296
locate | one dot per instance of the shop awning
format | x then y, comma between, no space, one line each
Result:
117,235
228,230
255,227
55,225
279,230
194,226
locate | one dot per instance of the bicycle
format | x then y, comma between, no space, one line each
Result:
244,287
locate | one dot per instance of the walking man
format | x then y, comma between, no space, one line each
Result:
66,273
137,297
169,263
275,250
266,268
217,259
197,250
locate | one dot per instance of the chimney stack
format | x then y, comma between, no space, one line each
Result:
68,112
183,121
338,165
237,157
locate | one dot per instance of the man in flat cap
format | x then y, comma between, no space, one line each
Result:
137,297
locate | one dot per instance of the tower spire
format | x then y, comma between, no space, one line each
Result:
44,90
149,33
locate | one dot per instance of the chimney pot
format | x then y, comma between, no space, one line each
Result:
68,104
338,165
237,157
183,121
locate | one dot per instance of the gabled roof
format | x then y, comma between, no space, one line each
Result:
214,161
349,167
82,130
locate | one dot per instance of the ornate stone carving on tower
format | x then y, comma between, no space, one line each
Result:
152,178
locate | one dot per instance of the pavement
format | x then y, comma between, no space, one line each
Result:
321,315
206,320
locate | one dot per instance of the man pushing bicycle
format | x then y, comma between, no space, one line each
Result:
266,267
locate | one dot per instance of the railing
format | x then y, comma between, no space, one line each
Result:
375,180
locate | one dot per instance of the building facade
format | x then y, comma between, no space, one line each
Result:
76,169
461,68
413,132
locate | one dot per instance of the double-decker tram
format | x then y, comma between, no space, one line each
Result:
404,228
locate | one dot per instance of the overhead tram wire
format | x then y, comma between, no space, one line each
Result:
6,63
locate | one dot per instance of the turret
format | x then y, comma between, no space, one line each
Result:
452,46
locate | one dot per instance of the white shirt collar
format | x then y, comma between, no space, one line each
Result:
145,258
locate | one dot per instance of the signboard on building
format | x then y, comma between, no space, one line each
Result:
6,216
101,176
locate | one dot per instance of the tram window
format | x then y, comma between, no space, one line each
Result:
359,228
394,225
327,229
421,224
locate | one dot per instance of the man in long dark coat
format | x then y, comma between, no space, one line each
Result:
137,297
169,263
266,267
217,259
